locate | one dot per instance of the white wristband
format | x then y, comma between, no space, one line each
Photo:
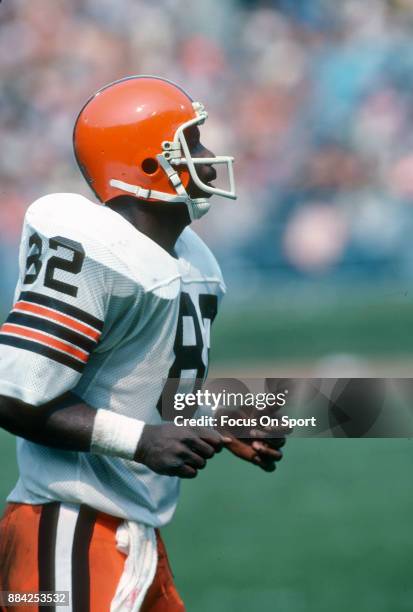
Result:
115,434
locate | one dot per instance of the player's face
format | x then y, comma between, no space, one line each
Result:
206,172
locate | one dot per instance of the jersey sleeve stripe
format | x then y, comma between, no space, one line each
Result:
41,349
68,309
58,318
29,334
54,329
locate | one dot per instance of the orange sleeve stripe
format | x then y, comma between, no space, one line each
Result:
59,318
30,334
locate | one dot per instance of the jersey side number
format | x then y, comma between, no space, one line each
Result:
73,265
188,350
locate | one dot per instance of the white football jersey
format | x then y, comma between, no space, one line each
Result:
104,311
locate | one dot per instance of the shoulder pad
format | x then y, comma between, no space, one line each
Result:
192,248
105,236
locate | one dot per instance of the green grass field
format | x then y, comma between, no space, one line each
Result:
329,531
296,327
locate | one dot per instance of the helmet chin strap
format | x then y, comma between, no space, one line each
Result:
197,207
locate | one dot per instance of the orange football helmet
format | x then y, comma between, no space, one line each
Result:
129,137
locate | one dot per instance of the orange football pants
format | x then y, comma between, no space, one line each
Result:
35,546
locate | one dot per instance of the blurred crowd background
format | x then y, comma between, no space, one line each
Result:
314,99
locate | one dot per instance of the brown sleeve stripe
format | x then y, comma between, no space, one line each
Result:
56,316
42,349
54,329
62,307
42,338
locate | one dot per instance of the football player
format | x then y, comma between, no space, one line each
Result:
112,300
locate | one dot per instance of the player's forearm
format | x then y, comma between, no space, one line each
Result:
65,423
69,424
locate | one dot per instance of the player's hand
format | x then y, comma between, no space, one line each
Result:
177,451
260,446
263,452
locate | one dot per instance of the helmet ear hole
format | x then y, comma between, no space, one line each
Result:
149,165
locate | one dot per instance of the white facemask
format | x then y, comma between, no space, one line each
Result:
177,153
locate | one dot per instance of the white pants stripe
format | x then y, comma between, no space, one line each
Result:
66,525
